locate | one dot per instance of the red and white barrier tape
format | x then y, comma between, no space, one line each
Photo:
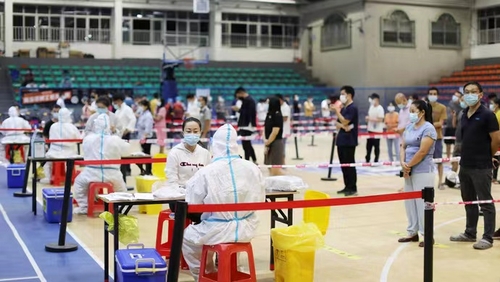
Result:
468,202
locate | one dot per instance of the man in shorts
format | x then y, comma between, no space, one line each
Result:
438,117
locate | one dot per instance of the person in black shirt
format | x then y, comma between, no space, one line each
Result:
480,142
273,133
247,121
347,138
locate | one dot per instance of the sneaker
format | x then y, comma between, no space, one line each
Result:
441,186
45,181
462,238
350,193
482,245
496,235
80,211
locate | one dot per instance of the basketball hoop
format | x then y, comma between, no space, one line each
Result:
188,63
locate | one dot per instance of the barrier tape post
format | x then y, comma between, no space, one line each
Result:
428,196
312,141
297,158
329,178
175,254
62,246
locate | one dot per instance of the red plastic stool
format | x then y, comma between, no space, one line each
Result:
228,268
59,173
12,147
164,248
96,188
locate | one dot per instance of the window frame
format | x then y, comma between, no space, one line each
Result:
348,26
457,46
397,44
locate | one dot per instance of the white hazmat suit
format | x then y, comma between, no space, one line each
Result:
15,122
62,129
100,145
228,179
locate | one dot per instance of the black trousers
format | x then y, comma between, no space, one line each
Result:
475,184
146,149
346,155
372,143
495,170
247,146
126,167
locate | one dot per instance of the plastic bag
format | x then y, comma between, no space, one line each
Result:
128,227
162,190
304,237
285,183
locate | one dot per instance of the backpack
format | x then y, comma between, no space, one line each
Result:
177,111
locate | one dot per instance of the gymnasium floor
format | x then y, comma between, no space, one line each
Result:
361,243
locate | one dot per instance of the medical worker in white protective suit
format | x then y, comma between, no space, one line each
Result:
228,179
100,145
14,121
62,129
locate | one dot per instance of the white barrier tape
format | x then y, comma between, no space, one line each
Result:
468,202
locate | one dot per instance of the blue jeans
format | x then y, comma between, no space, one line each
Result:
390,144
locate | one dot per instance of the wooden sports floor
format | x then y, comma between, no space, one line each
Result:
361,242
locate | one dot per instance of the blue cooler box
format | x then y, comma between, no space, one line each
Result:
15,175
140,265
52,204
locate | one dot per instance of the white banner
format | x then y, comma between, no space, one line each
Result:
201,6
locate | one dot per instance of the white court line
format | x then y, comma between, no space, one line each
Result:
85,248
387,267
18,279
23,245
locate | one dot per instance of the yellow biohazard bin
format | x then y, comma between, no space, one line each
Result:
158,169
144,184
294,252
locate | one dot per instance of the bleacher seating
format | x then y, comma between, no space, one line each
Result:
484,74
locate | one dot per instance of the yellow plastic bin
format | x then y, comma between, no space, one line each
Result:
158,169
144,184
294,252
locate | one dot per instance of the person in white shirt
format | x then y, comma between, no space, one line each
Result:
93,106
286,112
262,107
101,107
126,120
375,119
60,101
325,108
193,107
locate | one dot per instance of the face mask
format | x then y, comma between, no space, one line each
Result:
343,99
391,108
492,107
198,104
454,98
116,106
191,139
432,98
370,100
55,115
410,101
401,106
463,105
414,118
102,110
471,99
296,98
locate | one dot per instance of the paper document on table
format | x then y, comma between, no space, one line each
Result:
144,196
119,196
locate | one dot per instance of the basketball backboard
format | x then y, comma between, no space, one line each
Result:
178,48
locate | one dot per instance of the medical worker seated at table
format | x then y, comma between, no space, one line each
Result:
14,121
186,158
62,129
228,179
100,145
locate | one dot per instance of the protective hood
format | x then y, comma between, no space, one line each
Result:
102,124
225,142
64,116
13,112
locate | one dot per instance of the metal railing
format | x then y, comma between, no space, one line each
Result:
259,41
54,34
142,37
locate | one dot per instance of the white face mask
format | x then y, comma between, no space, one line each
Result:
391,108
343,99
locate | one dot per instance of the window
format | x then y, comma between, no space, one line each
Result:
398,30
489,26
335,33
245,30
445,32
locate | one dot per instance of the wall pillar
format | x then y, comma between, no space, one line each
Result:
117,39
8,28
215,32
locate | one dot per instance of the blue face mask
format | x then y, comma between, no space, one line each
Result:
401,106
414,117
116,106
463,105
191,139
102,110
471,99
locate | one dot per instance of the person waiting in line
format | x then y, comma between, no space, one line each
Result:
100,144
347,138
375,120
495,107
155,103
102,104
417,165
145,131
186,158
86,112
438,116
228,179
125,124
452,177
262,107
205,119
480,142
62,129
286,113
325,109
14,121
160,125
247,122
449,130
391,124
491,98
273,134
193,109
220,109
297,107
